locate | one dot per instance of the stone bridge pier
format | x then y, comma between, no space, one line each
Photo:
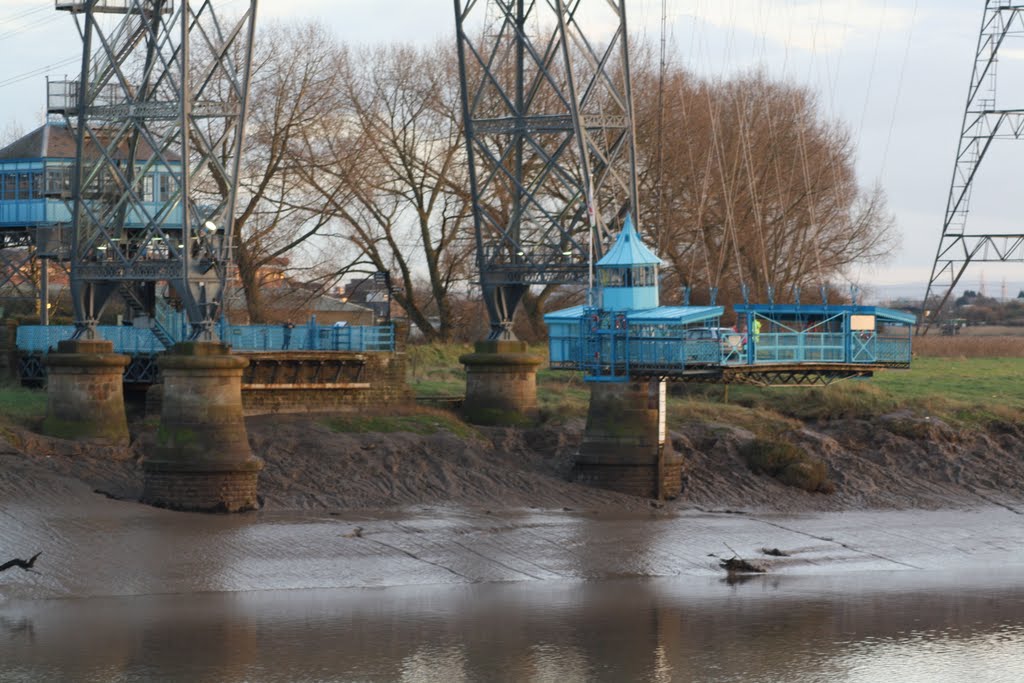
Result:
84,392
625,446
501,383
202,461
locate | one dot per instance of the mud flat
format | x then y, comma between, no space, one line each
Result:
372,510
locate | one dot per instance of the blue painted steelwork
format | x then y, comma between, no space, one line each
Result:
129,340
310,337
826,333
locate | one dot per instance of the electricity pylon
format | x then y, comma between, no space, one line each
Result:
984,123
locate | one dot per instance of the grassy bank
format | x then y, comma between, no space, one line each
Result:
20,406
959,388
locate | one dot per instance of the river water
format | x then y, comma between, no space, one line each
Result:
792,630
127,593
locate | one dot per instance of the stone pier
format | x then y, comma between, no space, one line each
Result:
202,460
625,447
501,383
85,394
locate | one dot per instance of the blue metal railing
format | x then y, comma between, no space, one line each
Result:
606,354
310,337
131,340
800,347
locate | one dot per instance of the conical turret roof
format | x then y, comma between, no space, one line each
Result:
628,250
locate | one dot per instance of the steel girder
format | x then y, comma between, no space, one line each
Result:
17,264
983,123
548,121
161,97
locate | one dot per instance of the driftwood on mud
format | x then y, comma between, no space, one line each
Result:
737,565
23,564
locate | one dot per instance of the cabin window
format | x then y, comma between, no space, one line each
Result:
612,277
23,185
58,180
165,187
147,188
644,276
640,276
10,186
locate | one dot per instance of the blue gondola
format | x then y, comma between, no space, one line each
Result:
626,333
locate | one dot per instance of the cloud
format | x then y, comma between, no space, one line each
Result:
1014,54
817,26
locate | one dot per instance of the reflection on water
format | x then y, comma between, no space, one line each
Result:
792,630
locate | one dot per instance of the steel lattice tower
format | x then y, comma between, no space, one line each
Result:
162,92
549,138
984,122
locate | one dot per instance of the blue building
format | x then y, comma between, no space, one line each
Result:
36,178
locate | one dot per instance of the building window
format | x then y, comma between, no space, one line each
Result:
147,188
58,181
165,187
23,186
10,186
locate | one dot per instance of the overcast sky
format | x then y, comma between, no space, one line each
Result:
894,71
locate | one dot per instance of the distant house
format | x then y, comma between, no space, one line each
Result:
372,292
287,301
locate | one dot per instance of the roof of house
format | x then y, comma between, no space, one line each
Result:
53,140
628,250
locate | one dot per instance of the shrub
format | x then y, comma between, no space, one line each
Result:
788,463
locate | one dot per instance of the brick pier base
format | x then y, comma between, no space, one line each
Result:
84,392
625,446
202,460
501,383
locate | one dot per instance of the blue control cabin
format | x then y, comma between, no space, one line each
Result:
626,333
36,182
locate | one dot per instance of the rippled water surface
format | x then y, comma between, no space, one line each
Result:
880,626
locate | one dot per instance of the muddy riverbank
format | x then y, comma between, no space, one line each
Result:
896,461
368,509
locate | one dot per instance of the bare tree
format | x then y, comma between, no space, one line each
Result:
745,181
403,201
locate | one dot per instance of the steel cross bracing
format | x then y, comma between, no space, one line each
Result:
983,123
158,114
17,264
549,139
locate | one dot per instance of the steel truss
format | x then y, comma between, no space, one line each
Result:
549,138
162,97
795,375
983,123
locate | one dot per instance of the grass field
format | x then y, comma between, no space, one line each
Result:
20,406
957,388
